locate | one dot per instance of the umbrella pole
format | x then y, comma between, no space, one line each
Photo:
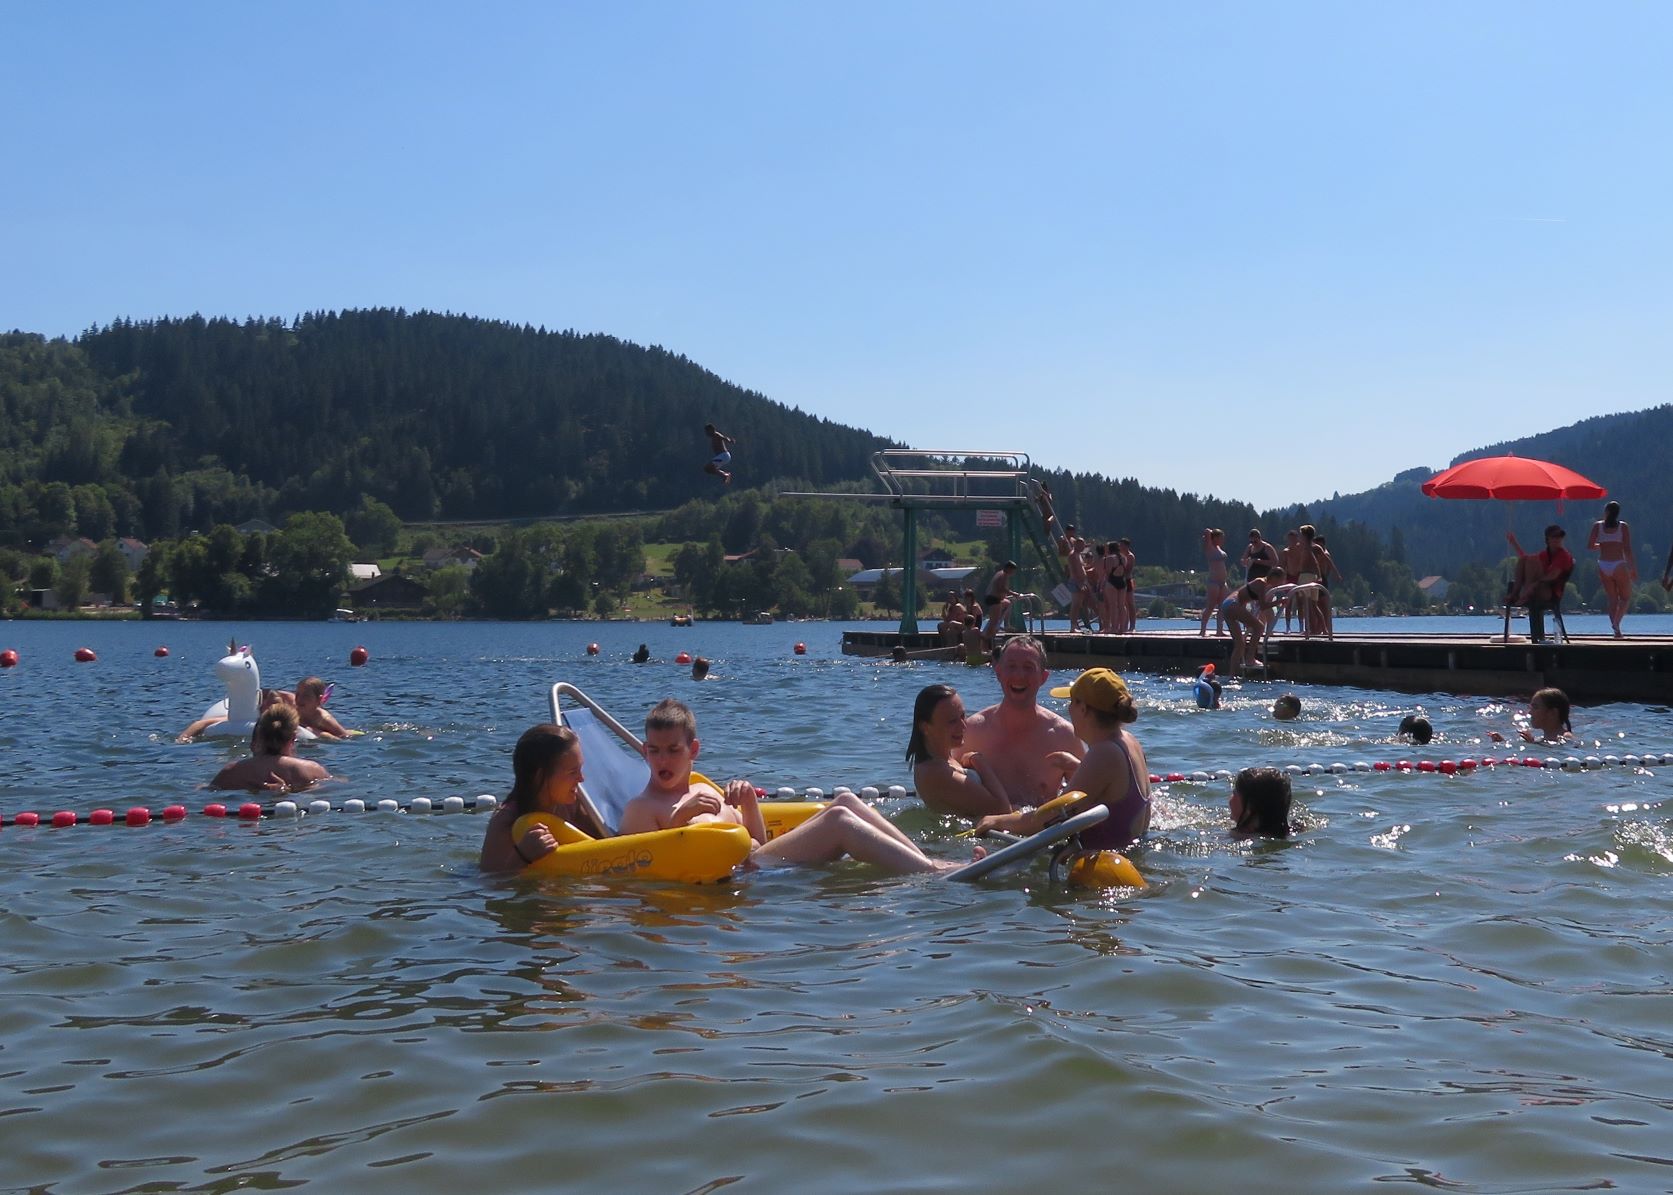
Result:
1510,590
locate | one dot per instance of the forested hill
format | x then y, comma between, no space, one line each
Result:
1627,454
189,422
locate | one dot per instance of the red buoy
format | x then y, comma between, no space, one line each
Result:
1175,777
173,813
1426,765
1531,761
139,815
214,809
27,819
359,656
1155,779
1446,767
249,811
801,649
101,817
683,658
592,649
8,658
161,652
84,655
62,818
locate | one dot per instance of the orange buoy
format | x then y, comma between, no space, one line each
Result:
683,658
359,656
801,649
8,658
84,655
592,649
161,653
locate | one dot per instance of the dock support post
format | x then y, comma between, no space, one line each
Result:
909,576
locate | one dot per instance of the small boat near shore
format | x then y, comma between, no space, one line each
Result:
680,620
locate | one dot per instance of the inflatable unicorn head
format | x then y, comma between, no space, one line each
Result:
238,672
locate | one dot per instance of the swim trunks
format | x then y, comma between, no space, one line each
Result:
721,460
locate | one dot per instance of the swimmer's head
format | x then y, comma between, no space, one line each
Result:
1287,707
669,714
700,668
898,654
1260,802
1104,693
1417,727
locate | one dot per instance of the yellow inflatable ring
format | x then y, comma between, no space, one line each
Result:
703,854
780,816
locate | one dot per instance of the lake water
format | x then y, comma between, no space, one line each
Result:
1446,981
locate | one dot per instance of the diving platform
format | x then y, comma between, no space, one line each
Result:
1588,669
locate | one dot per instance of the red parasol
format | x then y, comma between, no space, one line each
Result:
1512,478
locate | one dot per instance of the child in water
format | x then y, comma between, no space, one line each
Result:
848,826
1547,719
273,765
1260,804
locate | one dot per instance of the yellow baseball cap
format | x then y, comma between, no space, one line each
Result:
1097,688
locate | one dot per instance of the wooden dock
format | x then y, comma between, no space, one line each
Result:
1588,669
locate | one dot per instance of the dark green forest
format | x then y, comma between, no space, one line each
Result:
161,428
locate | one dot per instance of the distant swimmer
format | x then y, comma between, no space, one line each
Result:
721,445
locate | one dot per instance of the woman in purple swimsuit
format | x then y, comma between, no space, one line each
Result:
1113,772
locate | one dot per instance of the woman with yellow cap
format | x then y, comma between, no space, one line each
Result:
1113,772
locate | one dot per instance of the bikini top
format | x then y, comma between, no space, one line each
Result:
1606,536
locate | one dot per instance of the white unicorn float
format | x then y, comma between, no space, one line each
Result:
234,716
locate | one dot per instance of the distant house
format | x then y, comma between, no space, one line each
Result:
364,572
847,565
1434,588
741,556
66,549
931,559
255,527
393,592
133,551
446,557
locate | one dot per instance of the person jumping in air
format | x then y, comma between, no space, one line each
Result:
721,445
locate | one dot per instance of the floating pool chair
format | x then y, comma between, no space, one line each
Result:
616,773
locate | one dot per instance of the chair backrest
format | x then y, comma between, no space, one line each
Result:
615,771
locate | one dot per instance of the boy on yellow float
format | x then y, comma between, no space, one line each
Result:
1113,772
674,798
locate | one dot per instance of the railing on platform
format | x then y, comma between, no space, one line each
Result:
949,477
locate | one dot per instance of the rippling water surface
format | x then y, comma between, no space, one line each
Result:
1456,982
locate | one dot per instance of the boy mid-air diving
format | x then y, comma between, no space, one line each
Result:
721,445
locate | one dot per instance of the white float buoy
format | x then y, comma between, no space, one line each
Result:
787,794
897,791
1338,768
1296,769
354,805
815,794
419,805
319,805
1201,777
869,792
1611,760
389,805
487,801
1361,765
1222,774
453,804
285,809
1315,769
1593,763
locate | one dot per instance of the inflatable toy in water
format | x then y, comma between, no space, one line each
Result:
703,854
238,709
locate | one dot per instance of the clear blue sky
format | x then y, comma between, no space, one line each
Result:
1265,251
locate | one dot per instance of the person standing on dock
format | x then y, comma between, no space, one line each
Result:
1017,736
1258,552
1611,539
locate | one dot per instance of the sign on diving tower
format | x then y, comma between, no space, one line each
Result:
916,479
